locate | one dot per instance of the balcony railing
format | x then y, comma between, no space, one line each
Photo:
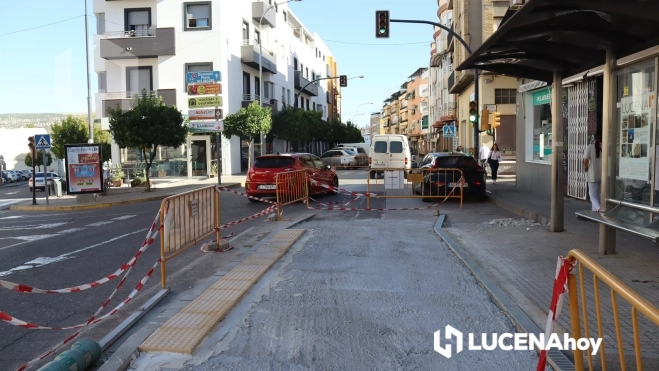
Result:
133,33
257,47
126,94
251,97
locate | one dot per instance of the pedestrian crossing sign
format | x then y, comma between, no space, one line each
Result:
42,141
449,131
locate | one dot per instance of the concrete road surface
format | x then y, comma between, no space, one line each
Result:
53,250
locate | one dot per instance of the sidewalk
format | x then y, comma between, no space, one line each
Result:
160,189
521,257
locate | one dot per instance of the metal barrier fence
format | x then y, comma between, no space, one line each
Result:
186,219
426,184
358,162
618,289
291,187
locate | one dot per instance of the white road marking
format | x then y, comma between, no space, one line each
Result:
124,217
71,230
5,204
13,217
11,193
98,224
35,237
41,261
34,226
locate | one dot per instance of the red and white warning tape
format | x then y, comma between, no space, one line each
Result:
563,268
231,224
148,241
92,319
222,189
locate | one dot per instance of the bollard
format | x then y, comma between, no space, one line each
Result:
57,366
91,350
74,355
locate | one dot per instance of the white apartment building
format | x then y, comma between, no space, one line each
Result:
152,44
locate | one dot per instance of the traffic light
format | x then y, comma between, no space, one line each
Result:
485,120
382,24
496,120
343,81
32,146
473,112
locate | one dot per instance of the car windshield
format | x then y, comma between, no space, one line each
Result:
455,162
38,175
350,152
270,162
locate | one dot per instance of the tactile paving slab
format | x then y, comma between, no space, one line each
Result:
185,330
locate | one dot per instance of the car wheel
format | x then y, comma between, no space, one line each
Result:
335,185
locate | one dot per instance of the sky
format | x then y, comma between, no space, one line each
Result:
42,62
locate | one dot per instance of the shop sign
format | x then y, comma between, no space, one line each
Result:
208,101
541,97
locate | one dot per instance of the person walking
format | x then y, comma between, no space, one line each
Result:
592,164
493,160
483,155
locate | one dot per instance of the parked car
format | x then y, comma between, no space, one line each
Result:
441,183
5,178
25,174
11,176
40,183
334,157
260,180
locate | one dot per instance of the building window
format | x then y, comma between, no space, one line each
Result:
195,67
307,104
313,75
314,106
505,96
257,37
198,16
100,23
245,31
257,87
246,86
138,79
288,95
102,82
306,73
283,96
268,90
285,16
137,21
294,64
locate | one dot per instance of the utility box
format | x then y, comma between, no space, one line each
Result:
57,185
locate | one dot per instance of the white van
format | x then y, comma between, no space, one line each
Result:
389,151
365,146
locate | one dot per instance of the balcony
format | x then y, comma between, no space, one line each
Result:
329,98
152,43
461,81
424,91
449,41
249,98
260,9
451,80
301,82
249,55
125,98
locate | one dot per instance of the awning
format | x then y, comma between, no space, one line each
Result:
566,36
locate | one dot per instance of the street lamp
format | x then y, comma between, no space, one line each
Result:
297,95
363,104
261,59
89,87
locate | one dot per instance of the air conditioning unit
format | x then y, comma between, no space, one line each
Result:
516,4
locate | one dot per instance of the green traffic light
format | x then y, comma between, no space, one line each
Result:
472,118
383,31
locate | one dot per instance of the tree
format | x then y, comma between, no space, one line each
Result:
74,130
149,124
247,123
353,134
39,162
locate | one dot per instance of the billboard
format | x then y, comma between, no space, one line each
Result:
84,168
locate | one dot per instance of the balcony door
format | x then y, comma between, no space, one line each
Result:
246,87
137,21
138,79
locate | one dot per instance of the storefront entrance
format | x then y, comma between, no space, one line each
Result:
199,155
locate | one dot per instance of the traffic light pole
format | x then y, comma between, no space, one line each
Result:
297,95
464,43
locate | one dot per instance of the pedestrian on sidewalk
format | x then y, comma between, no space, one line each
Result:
483,155
493,160
592,163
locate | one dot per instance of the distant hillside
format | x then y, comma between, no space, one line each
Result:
40,120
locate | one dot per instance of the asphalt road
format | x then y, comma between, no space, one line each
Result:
53,250
13,193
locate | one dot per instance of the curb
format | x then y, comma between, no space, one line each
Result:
555,358
101,205
120,360
525,213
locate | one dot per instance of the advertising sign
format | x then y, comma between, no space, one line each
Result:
205,89
202,77
635,136
201,102
84,168
207,125
205,114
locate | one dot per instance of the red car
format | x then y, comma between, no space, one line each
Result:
261,176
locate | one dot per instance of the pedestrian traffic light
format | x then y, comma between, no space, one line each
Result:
473,112
32,146
496,120
343,81
382,24
485,120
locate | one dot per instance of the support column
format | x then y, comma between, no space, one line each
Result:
557,215
607,235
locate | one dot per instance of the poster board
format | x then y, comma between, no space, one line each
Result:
84,168
635,136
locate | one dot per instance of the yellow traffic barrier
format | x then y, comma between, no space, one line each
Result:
427,184
291,187
185,220
618,289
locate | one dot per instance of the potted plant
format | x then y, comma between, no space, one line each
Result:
162,172
116,175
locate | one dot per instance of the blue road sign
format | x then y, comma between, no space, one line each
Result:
449,131
202,77
42,141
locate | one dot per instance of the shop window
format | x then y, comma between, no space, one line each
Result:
636,116
539,125
505,96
